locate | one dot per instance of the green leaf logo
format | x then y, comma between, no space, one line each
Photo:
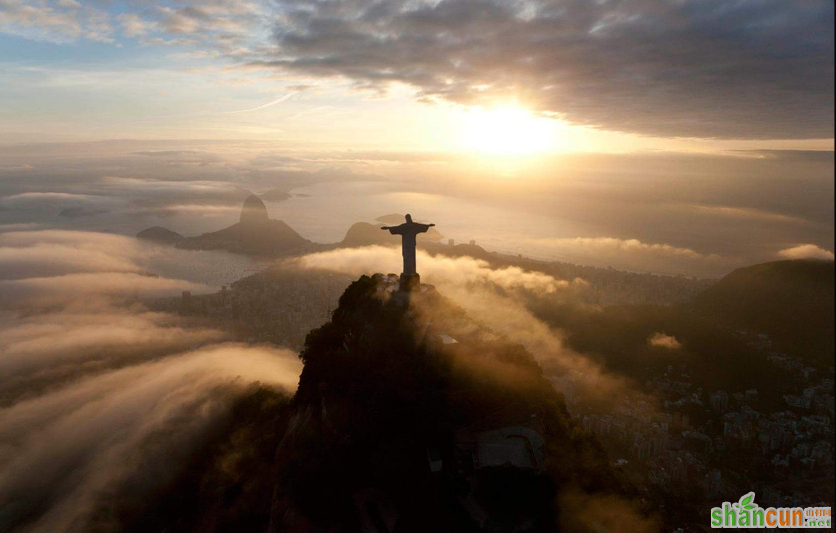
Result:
746,502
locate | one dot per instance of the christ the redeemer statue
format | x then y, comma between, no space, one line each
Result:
408,230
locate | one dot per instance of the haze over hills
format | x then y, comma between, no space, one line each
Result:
255,234
264,238
160,235
791,300
726,334
366,234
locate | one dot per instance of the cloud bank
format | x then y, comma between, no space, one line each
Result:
58,265
750,69
691,68
448,271
102,402
65,449
631,254
729,210
496,298
806,251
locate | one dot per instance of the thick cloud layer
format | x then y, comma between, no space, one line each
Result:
44,349
446,271
102,399
497,299
630,254
694,68
806,251
57,266
63,449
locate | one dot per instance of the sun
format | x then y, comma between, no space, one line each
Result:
506,130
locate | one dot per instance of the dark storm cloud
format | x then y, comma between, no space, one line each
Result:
703,68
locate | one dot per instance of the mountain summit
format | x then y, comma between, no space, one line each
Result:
254,234
253,211
411,417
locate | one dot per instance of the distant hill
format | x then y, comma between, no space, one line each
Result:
264,237
254,234
392,218
791,301
365,234
160,234
470,250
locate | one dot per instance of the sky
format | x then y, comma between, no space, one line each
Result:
681,136
403,71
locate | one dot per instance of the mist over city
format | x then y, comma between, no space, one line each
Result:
416,266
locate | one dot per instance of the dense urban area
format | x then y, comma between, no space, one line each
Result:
696,446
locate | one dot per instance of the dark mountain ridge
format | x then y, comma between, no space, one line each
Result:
407,407
725,335
791,301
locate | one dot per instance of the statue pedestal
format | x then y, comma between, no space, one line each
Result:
410,282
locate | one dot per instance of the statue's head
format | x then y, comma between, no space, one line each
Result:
409,218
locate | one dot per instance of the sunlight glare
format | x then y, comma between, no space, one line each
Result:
507,130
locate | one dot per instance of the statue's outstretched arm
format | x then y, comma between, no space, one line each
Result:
384,227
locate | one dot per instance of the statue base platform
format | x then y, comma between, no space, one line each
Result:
410,282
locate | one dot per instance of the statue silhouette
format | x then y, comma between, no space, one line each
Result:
408,230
